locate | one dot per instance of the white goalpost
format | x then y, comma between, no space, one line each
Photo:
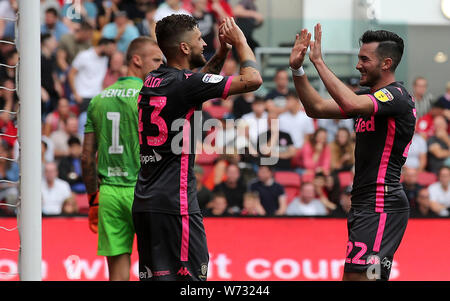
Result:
29,132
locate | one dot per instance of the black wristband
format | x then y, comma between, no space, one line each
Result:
249,63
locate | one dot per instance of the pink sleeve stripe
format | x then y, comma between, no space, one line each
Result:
227,87
342,112
375,104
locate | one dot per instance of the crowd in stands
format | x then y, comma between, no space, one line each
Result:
82,51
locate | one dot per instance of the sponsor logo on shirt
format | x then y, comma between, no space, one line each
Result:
212,78
365,125
384,95
151,159
119,93
116,172
183,271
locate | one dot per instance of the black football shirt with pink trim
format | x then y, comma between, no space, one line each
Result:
166,105
382,144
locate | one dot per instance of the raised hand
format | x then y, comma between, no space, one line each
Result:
230,33
315,53
298,52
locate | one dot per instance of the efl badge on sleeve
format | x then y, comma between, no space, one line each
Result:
384,95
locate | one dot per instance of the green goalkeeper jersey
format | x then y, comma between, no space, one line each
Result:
113,117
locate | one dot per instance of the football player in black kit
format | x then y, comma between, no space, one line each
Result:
384,123
169,226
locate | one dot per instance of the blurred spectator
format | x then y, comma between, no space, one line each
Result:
61,137
204,195
417,154
315,155
46,4
257,119
438,145
326,190
306,204
342,151
122,31
422,98
76,11
410,185
276,144
218,206
353,84
71,44
147,25
50,84
345,203
170,7
47,152
252,205
69,168
276,98
115,70
55,120
6,101
444,100
221,9
232,188
423,205
11,59
207,25
8,9
295,122
54,191
52,25
69,207
440,192
88,70
248,19
9,172
243,104
333,125
271,193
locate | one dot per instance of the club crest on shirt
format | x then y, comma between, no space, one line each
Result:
384,95
212,78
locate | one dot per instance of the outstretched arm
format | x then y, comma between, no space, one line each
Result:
249,78
350,103
315,106
215,64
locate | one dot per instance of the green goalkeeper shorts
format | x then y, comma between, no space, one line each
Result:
115,221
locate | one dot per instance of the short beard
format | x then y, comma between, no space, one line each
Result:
197,61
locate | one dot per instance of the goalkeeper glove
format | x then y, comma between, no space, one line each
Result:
93,211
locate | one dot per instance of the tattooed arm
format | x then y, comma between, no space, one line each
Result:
88,164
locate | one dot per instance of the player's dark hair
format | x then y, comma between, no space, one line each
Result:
136,45
390,45
170,31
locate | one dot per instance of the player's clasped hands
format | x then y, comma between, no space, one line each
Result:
231,33
302,42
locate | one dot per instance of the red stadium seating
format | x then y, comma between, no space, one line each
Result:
345,178
82,203
426,178
290,181
217,111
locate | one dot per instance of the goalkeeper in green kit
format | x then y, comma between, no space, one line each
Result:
110,161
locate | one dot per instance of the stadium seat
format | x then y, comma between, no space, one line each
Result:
82,203
217,112
345,178
290,181
426,178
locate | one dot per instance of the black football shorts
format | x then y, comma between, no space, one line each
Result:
171,247
373,238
